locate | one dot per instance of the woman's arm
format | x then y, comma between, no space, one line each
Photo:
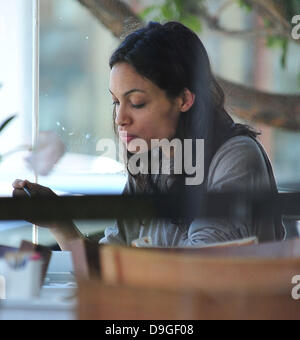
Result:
121,232
63,232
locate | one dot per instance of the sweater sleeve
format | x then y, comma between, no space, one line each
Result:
116,234
237,166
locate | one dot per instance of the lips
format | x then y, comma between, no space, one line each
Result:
126,137
130,138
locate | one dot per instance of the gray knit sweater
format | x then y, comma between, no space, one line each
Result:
237,165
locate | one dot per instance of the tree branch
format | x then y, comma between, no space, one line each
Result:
277,110
115,15
213,22
282,111
270,10
224,6
266,9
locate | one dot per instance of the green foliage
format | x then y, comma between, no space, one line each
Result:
245,5
267,23
282,44
177,10
290,8
6,122
182,11
192,22
148,11
3,126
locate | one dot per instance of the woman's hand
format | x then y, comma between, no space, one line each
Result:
63,231
35,190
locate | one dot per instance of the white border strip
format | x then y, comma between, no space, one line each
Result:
35,87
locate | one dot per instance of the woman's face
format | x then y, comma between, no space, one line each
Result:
143,110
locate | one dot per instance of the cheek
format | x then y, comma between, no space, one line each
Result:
149,131
158,123
166,127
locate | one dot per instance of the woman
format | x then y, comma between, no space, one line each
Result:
163,88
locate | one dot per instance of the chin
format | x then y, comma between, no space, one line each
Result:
134,147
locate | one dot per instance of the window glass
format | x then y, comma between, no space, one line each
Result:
15,99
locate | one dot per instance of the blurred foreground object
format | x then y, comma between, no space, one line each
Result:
49,150
24,270
238,282
98,301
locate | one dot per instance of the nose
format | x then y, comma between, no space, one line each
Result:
122,116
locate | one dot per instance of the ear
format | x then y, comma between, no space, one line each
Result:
188,99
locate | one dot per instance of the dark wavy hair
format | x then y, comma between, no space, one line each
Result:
174,58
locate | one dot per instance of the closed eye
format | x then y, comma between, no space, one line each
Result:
138,106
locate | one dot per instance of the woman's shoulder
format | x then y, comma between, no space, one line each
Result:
239,160
239,148
237,142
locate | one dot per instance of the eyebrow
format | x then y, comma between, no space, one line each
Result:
130,91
